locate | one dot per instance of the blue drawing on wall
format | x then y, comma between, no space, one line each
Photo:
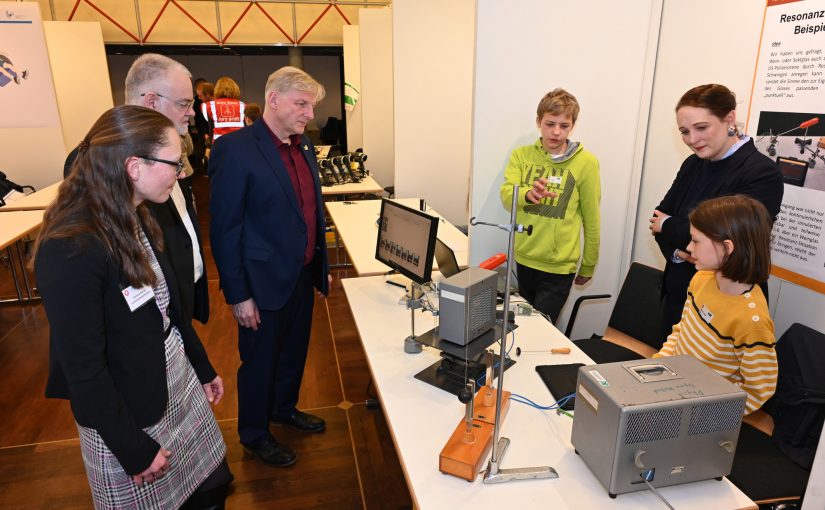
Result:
10,73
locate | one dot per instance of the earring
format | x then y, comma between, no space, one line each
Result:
731,130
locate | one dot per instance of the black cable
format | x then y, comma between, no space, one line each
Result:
372,400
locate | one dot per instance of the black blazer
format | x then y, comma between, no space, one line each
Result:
178,246
107,361
257,228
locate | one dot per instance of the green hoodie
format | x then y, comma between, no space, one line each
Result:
554,246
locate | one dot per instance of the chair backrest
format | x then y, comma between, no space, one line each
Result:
638,309
798,406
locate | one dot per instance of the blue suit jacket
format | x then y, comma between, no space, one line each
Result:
257,229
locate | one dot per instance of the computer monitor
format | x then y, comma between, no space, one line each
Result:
406,240
445,257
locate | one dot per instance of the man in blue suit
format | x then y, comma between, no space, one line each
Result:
267,234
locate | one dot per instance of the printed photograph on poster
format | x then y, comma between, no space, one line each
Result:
25,74
797,142
786,116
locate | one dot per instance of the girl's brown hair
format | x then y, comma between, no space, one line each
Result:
746,223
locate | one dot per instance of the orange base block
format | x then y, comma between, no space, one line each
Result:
487,414
462,459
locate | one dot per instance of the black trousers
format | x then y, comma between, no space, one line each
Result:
272,361
547,292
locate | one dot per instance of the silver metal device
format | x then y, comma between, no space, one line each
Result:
467,305
666,421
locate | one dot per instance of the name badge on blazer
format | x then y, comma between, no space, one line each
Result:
137,297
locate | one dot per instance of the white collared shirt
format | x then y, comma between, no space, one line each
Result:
180,205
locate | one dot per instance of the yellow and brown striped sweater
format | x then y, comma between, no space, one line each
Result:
733,335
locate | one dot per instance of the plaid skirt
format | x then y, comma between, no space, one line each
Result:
187,429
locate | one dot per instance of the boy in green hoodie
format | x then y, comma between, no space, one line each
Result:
559,194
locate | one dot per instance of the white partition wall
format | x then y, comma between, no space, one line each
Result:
433,46
603,53
377,92
81,76
352,75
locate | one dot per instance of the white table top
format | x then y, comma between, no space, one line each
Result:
421,419
355,223
40,199
16,224
368,185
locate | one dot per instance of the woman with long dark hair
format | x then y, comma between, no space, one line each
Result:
136,375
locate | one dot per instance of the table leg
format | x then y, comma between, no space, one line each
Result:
12,266
21,260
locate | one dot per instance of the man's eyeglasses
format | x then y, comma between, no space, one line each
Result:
182,104
178,164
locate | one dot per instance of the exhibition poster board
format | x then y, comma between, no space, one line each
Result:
26,89
787,119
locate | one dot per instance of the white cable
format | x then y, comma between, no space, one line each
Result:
658,494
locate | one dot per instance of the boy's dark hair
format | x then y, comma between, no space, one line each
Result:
718,99
558,102
746,223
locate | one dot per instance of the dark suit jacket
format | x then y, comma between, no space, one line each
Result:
107,360
257,229
178,246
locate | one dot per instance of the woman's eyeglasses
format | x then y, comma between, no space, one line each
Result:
182,104
178,164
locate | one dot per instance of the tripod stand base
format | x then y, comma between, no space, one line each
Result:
411,345
495,475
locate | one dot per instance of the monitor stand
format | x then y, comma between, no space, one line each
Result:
459,363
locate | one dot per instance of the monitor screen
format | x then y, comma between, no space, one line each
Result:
406,240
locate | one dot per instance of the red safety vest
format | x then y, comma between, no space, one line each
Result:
226,115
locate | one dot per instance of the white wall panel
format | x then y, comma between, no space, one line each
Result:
377,92
81,76
433,46
352,74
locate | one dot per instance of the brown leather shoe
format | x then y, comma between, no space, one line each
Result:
302,421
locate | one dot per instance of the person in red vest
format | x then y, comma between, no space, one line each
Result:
226,111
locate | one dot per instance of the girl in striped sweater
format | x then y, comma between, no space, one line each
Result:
725,321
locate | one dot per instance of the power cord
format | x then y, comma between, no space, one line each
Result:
646,477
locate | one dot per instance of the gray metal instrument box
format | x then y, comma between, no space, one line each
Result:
673,415
467,305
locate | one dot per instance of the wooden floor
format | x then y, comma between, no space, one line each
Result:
352,464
